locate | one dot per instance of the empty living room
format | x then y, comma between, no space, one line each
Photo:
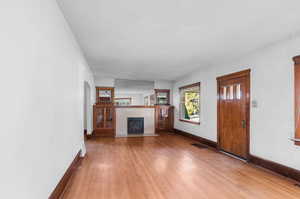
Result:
140,99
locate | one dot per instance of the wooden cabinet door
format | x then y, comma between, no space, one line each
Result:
104,120
233,117
164,118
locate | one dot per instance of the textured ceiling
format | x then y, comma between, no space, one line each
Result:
147,40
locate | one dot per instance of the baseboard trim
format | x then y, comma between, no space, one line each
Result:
198,138
275,167
85,134
59,189
267,164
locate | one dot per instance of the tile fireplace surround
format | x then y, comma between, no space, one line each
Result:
123,113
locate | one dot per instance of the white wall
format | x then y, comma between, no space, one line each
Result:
88,107
86,104
163,84
272,123
41,82
105,82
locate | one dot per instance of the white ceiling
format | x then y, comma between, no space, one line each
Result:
166,39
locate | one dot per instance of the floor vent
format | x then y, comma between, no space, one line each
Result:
201,146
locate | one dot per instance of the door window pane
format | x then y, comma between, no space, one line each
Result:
224,92
231,92
238,91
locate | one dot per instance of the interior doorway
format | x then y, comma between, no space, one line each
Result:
234,113
87,117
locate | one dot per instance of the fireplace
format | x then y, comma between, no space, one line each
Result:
135,125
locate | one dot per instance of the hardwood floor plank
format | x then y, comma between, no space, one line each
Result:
169,167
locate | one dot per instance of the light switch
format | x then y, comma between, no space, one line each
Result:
254,104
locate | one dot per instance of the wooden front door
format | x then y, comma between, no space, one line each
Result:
233,113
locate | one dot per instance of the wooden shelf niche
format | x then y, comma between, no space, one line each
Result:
105,95
162,96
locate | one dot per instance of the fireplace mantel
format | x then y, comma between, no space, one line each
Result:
134,106
125,112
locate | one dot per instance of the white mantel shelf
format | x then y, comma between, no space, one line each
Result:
134,106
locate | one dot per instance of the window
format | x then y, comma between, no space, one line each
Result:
190,103
146,100
152,100
123,101
231,92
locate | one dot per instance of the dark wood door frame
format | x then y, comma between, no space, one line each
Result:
297,97
246,74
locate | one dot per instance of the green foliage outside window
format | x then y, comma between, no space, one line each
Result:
186,114
191,104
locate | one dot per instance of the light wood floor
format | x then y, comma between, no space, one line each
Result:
168,167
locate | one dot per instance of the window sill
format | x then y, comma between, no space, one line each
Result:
191,122
296,141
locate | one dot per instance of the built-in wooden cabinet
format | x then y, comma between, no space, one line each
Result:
164,118
105,95
104,120
162,96
164,113
104,113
